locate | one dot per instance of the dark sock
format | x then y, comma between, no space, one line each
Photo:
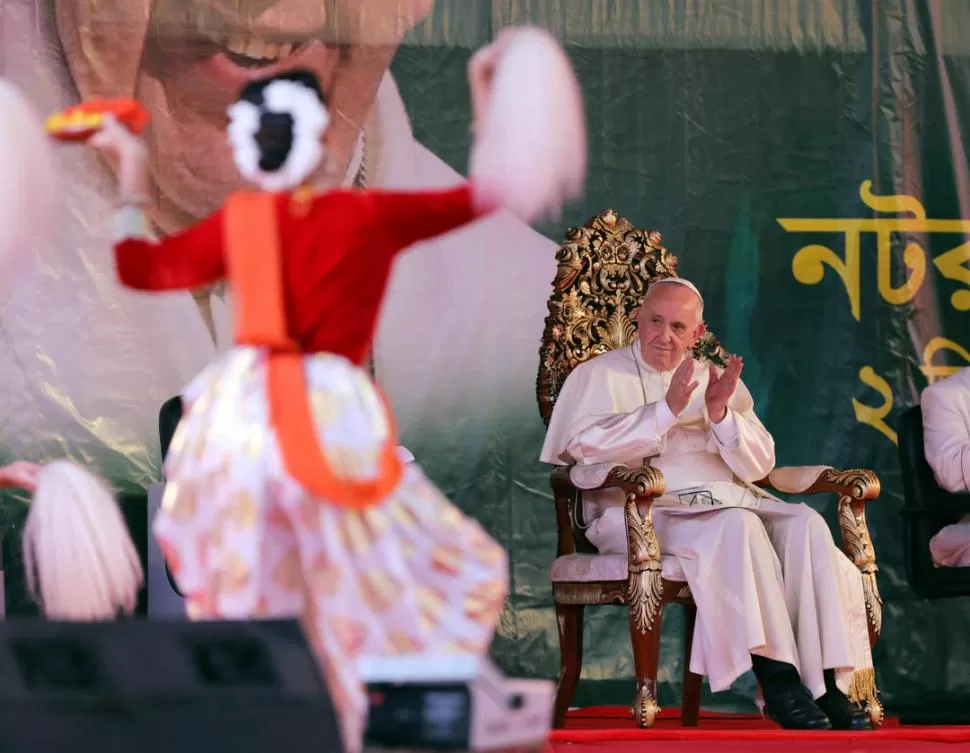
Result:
774,675
830,685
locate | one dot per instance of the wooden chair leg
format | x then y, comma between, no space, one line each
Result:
690,707
570,620
646,655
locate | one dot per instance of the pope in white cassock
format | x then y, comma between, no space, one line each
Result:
946,439
773,592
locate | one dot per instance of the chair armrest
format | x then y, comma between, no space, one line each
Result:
639,484
859,485
854,489
645,482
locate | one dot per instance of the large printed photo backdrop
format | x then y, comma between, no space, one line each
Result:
804,159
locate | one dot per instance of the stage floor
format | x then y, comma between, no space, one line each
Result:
602,729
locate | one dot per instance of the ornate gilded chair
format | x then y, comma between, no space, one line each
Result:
604,269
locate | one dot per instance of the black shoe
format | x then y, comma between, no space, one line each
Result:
793,708
842,712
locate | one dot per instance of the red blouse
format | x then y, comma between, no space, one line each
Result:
336,258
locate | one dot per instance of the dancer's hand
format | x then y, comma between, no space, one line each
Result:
481,74
115,141
20,474
481,71
128,155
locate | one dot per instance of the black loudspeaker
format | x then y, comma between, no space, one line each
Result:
137,685
168,420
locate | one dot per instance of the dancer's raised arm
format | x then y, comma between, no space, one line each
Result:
529,150
185,260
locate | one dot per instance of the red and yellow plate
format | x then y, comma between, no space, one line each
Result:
80,122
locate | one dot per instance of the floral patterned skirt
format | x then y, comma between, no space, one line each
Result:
408,575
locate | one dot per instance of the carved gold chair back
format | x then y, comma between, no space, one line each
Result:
605,268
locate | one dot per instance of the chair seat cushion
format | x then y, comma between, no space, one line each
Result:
587,568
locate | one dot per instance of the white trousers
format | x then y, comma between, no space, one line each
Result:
767,579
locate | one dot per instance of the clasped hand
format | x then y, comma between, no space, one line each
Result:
720,387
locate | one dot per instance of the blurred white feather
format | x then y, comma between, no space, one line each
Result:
79,559
530,149
28,186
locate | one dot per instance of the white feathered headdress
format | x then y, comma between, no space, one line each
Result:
289,96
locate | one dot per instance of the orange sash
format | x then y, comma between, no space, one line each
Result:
254,259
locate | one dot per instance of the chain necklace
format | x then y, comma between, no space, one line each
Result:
643,389
360,179
636,362
360,183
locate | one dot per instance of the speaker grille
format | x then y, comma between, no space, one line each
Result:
238,662
57,664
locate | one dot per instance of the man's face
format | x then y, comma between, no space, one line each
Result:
670,323
196,56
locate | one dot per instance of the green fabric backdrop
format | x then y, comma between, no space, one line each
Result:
709,121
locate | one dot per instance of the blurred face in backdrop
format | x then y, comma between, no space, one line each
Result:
186,61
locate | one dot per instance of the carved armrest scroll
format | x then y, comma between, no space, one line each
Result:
639,486
646,482
854,489
645,588
861,485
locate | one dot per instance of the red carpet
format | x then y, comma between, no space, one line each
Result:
611,730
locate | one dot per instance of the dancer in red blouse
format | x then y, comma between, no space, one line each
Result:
339,248
285,494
